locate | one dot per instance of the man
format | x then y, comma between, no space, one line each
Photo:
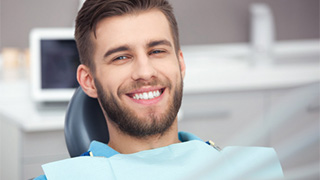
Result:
135,70
132,63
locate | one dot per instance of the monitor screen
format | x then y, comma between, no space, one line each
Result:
59,62
54,62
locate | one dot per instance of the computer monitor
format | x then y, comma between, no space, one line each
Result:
54,61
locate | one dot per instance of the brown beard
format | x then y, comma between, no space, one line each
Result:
129,123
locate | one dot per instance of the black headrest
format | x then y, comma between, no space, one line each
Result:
84,123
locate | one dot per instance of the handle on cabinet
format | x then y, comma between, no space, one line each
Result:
313,108
204,114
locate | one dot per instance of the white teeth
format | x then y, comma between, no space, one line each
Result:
150,94
147,95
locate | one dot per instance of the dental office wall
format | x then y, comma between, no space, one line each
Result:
200,22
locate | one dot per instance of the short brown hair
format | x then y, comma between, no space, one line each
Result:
93,11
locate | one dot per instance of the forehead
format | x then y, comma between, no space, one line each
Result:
132,29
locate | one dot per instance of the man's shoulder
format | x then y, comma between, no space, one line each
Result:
42,177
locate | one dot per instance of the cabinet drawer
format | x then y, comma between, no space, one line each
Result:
31,166
295,112
226,118
44,143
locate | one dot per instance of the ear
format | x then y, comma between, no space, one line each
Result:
182,64
86,80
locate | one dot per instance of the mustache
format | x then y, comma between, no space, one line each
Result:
141,83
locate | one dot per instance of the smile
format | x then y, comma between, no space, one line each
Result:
148,95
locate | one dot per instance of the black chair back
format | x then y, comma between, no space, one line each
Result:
84,123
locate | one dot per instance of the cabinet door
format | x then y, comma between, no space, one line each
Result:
40,148
225,118
10,150
293,117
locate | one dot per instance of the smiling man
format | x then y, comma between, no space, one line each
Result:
136,74
132,63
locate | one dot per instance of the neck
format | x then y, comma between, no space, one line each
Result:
126,144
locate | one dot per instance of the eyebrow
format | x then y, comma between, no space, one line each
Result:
117,49
159,42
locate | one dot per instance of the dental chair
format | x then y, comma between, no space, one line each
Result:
84,123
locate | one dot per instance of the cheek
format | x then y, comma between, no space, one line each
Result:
169,63
171,75
112,80
171,70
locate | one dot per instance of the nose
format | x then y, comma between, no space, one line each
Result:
143,68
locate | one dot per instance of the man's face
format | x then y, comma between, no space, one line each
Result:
138,74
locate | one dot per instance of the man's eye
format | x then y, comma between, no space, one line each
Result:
120,58
156,52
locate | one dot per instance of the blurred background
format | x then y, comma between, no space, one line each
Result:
200,22
252,79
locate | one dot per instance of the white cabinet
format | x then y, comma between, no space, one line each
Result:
225,118
23,153
293,115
